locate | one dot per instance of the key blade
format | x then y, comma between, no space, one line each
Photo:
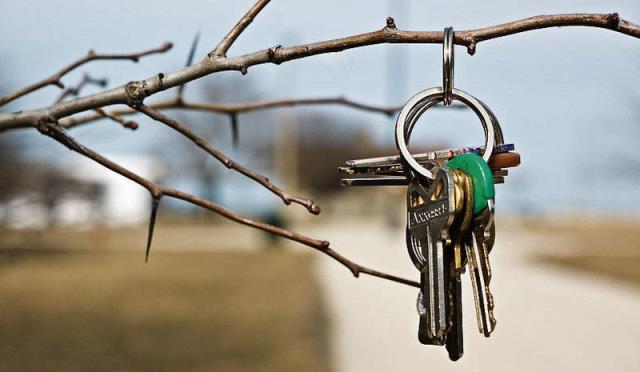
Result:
425,156
428,223
484,241
374,181
434,295
482,261
477,285
455,343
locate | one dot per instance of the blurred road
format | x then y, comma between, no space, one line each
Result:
548,319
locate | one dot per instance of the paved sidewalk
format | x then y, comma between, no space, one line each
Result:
547,319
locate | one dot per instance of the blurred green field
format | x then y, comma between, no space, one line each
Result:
99,310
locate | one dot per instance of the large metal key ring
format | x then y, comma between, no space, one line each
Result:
412,110
499,137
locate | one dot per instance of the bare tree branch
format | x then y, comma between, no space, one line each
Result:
237,108
91,56
311,206
243,23
53,130
136,91
611,21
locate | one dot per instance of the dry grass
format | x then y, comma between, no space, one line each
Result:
107,310
604,247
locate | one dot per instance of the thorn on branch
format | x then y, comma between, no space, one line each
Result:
235,136
192,52
217,154
391,23
155,203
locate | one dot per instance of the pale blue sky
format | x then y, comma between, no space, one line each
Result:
568,98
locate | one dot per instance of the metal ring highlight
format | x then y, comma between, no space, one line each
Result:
412,111
447,65
498,136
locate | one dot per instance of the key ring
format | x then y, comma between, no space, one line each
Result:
447,65
422,101
499,137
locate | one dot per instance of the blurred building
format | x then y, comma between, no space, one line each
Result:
80,194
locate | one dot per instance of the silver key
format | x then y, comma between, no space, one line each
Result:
446,154
430,214
478,244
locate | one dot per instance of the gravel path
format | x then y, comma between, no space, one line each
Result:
547,319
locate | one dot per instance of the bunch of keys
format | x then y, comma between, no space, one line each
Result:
450,209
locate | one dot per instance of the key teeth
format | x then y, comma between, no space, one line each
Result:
490,307
492,318
489,298
488,294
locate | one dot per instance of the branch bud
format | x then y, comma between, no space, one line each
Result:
613,20
391,23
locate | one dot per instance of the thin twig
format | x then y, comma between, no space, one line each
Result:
91,56
243,23
129,124
311,206
54,131
238,108
74,91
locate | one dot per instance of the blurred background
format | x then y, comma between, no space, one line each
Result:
75,292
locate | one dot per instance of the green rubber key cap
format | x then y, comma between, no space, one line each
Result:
481,177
